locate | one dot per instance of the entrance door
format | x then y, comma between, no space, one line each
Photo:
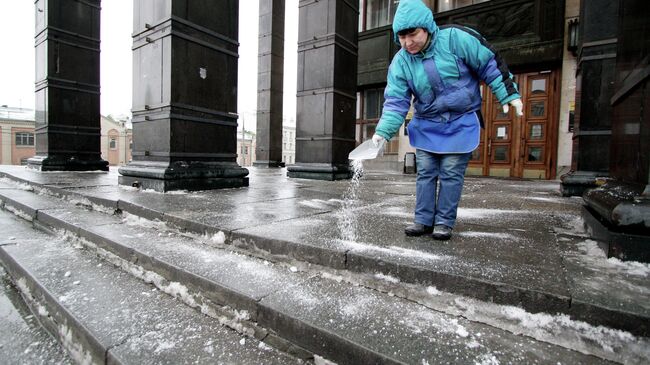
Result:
520,146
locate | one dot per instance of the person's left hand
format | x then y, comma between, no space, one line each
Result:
517,104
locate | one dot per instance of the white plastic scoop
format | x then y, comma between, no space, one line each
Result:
367,151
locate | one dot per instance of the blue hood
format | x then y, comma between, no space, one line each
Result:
413,14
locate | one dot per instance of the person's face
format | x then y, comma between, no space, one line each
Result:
414,41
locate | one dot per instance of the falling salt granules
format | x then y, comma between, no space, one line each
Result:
347,221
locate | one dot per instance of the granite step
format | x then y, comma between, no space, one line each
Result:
101,314
22,339
527,285
312,309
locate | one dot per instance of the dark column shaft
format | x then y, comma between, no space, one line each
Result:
327,75
268,150
594,88
185,96
67,86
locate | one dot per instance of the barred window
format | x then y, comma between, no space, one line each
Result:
24,139
444,5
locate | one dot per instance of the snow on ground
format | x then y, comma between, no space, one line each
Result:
478,213
501,236
394,251
590,252
134,220
559,329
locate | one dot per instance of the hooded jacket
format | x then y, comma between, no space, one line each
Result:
443,81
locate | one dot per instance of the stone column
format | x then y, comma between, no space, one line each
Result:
270,75
327,76
185,96
67,86
594,88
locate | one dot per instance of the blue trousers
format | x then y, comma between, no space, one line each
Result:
439,176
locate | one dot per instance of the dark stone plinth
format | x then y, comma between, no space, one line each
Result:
181,176
319,172
619,215
576,183
51,163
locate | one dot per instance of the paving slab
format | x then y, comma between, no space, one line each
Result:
224,277
511,260
22,339
384,329
56,178
593,278
27,203
103,312
12,230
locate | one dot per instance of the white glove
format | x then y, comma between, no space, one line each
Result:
517,104
376,140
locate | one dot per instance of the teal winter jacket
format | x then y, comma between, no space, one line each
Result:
443,83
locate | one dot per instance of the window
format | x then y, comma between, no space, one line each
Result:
24,139
380,12
536,132
112,144
535,154
501,154
538,87
537,109
373,101
445,5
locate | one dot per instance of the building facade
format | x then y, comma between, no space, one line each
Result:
17,131
116,141
17,144
288,144
531,37
246,143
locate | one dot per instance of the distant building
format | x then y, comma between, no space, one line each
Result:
116,140
17,142
17,130
289,144
245,148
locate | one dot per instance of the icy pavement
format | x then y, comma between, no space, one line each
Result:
517,243
22,340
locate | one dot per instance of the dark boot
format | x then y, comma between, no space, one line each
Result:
441,232
418,229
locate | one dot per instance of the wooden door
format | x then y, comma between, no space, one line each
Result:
525,146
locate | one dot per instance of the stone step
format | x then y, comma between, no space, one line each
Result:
22,339
326,315
483,280
101,314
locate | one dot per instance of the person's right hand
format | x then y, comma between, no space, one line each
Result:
376,140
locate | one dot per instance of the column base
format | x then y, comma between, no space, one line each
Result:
319,172
575,183
164,177
618,215
269,164
56,163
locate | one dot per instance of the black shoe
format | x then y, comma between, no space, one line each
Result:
418,229
441,232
